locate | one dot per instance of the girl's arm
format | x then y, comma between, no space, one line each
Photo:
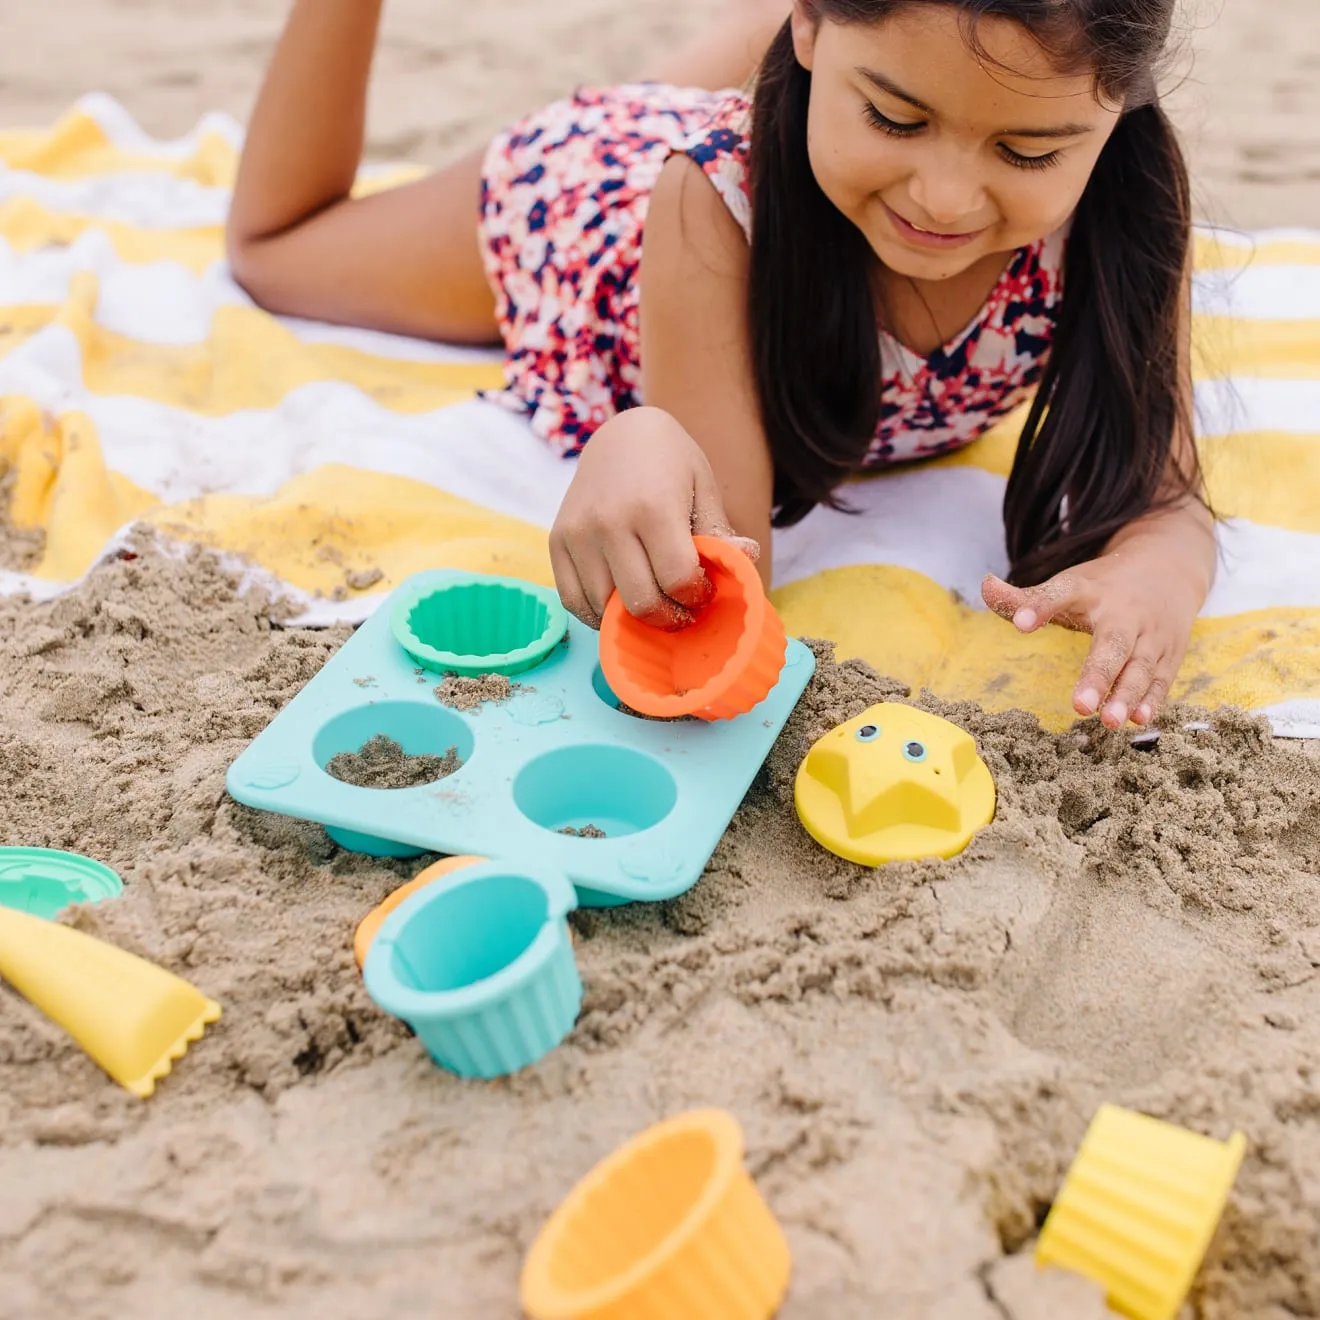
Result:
404,260
696,458
696,342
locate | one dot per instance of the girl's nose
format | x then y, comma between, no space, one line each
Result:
948,191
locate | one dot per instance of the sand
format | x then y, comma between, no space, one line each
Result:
449,74
382,763
914,1053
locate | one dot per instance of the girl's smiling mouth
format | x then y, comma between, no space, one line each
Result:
928,238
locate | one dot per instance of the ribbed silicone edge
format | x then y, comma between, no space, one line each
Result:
727,1260
504,662
516,1030
1118,1207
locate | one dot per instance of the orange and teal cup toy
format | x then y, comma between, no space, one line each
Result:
370,925
479,963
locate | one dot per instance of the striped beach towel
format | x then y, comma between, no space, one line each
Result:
139,385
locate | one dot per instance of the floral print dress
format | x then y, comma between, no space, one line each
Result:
563,205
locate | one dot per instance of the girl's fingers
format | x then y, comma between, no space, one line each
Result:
751,548
677,568
1064,600
1002,597
1133,684
1158,692
1109,653
635,581
583,579
569,584
1149,706
674,566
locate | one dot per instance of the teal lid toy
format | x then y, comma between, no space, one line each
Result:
478,624
480,965
44,881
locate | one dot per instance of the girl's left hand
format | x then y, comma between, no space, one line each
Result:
1139,612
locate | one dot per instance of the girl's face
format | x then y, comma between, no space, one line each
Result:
939,160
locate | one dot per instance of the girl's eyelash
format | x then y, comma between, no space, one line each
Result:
887,125
895,129
1029,162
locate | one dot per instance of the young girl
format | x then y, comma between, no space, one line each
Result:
926,210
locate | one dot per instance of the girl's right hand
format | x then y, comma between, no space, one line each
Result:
642,489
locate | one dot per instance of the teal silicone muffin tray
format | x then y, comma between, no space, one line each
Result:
557,756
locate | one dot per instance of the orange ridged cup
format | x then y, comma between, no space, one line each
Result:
669,1227
372,922
719,666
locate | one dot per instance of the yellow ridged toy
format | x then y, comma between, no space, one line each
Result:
132,1017
670,1227
894,784
1138,1209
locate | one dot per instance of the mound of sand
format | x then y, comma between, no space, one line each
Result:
915,1052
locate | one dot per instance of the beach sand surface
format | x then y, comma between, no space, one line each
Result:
449,75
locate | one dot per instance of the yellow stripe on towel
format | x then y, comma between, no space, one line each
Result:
1213,251
914,630
1267,477
28,226
315,530
61,485
249,361
336,520
77,147
1238,346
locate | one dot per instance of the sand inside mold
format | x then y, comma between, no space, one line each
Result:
914,1052
382,763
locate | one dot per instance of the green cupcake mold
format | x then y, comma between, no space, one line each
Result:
476,624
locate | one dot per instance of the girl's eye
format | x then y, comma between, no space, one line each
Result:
1029,162
890,126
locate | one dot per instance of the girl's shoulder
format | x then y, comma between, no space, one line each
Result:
719,145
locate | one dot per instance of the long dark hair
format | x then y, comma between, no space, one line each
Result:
1095,450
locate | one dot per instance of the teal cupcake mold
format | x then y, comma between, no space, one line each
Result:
480,965
477,624
43,881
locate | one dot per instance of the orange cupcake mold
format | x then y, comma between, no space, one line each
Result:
719,666
372,922
670,1225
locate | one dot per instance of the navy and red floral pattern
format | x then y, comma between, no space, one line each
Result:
563,206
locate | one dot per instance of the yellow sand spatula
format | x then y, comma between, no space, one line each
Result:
132,1017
